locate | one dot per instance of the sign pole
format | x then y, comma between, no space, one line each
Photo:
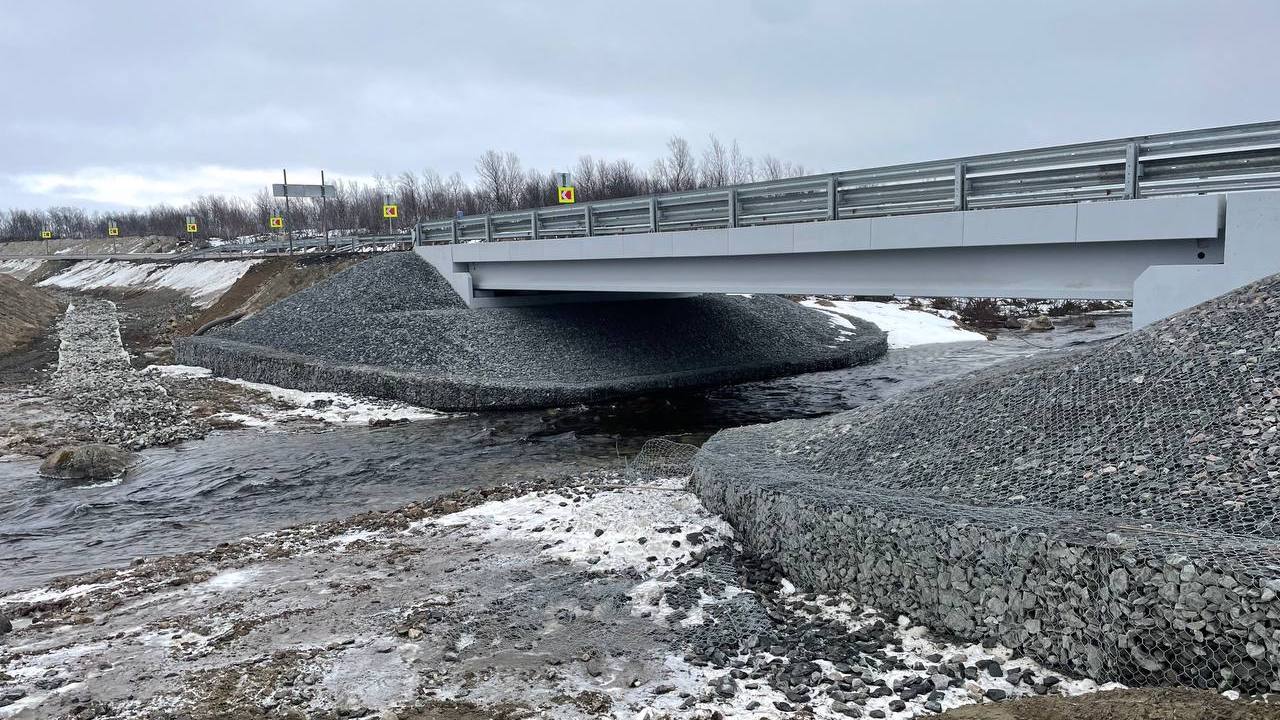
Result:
324,211
287,229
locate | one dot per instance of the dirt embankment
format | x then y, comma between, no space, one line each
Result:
1136,704
26,313
267,283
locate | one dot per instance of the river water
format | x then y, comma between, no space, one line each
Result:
239,483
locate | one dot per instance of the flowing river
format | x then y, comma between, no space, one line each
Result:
239,483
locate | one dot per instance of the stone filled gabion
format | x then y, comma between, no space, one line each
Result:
1112,511
391,327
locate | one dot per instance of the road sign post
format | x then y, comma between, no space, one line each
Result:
565,192
322,191
192,228
390,211
285,174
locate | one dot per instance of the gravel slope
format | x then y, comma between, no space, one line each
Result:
391,327
1112,510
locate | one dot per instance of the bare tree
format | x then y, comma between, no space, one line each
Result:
678,170
502,184
741,167
715,164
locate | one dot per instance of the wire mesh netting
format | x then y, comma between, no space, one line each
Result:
1111,511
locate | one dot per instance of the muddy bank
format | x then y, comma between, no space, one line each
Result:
1139,704
26,314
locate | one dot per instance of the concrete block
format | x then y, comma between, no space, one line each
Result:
693,243
482,252
832,236
917,231
1151,219
761,240
647,245
1020,226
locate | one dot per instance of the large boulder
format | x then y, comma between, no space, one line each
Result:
93,461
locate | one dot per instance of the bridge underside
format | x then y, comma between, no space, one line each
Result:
1165,254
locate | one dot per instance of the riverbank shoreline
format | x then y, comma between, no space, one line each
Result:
599,595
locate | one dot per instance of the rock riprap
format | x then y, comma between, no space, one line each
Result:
108,400
391,327
1112,511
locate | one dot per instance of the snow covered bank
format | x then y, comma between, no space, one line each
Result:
204,281
906,327
329,407
19,268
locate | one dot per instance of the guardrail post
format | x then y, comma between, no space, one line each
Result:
833,198
533,225
586,213
488,228
1131,171
653,214
453,231
733,207
959,193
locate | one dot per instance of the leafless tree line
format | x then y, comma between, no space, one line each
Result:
501,183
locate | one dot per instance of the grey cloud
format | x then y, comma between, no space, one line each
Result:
383,86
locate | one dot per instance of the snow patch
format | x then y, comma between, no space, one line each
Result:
329,407
20,269
205,281
906,327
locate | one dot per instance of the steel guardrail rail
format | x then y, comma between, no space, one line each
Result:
1223,159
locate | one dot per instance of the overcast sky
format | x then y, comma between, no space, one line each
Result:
135,102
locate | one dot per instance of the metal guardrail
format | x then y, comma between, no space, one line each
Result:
272,247
1240,157
300,245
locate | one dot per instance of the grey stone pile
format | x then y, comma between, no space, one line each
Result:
108,400
1113,511
392,327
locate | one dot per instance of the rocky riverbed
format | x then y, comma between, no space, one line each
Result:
607,595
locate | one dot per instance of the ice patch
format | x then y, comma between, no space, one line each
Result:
230,579
40,595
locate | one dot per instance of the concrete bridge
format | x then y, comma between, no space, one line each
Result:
1164,220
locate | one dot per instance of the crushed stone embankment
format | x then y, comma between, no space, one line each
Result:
391,327
1109,511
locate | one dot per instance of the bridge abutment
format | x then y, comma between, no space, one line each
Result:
1251,251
